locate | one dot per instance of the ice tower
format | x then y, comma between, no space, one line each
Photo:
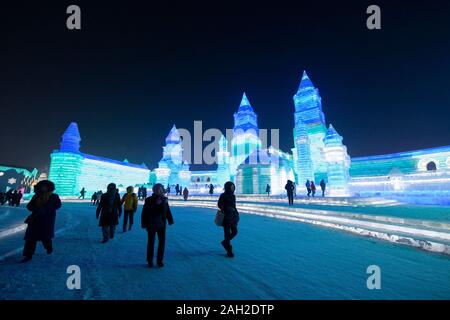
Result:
171,164
223,162
338,161
310,118
245,134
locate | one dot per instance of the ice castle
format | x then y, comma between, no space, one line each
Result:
318,153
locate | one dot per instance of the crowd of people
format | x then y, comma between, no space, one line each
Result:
156,214
12,197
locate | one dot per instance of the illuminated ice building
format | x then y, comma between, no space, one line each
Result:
72,170
318,153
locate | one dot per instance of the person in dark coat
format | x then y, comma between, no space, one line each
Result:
108,212
94,198
227,204
211,189
290,191
323,186
313,188
2,198
41,222
82,194
185,194
155,213
268,190
308,187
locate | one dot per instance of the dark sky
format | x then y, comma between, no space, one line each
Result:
136,68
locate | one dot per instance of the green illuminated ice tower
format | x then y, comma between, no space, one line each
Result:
310,118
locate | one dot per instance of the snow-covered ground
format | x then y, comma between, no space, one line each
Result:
290,256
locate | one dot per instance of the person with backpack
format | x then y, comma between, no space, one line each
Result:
290,192
130,203
227,205
155,213
308,187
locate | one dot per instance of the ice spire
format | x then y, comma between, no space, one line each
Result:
173,136
70,141
305,83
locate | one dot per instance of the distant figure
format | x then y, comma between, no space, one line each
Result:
130,202
108,212
323,185
155,213
99,196
139,193
313,188
227,204
2,198
41,222
177,189
12,198
82,193
168,189
290,192
308,187
185,194
16,197
268,190
211,189
94,198
144,193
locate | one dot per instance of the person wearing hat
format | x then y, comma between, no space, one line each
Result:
41,221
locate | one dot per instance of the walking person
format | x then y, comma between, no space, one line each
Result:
130,203
185,194
177,189
82,193
227,204
268,190
323,186
94,198
211,189
308,187
108,212
41,222
290,192
155,213
313,188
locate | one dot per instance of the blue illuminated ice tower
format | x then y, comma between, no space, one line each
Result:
171,168
338,163
245,134
309,133
70,141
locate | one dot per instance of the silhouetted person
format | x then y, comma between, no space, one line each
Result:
308,187
227,204
268,190
41,222
99,196
290,191
2,198
168,190
144,193
8,196
313,188
155,213
82,193
211,189
17,197
108,212
177,189
12,198
185,194
130,203
323,185
94,198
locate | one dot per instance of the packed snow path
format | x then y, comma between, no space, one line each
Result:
275,259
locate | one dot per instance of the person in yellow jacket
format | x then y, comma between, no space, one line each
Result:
130,202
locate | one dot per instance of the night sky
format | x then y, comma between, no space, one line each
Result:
136,68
